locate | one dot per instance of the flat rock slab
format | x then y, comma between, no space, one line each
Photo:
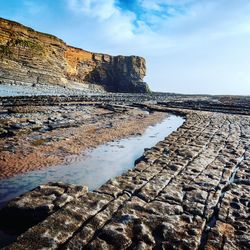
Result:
190,191
36,205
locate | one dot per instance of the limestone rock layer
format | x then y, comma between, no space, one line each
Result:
33,57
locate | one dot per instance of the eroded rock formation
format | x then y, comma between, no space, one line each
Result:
33,207
189,191
30,56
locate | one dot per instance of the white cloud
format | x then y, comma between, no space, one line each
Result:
191,46
110,20
103,9
151,5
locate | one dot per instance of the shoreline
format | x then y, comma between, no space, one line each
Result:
59,145
191,188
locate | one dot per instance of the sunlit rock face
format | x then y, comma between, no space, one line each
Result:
34,57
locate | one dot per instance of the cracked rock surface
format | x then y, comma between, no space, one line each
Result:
34,206
189,191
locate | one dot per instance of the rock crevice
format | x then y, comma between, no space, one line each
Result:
189,191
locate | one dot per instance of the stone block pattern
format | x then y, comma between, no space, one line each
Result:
34,206
190,191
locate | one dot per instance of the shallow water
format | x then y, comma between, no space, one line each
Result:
96,166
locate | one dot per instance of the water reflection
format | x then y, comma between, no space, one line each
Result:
94,168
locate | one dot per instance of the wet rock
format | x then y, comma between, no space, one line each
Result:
143,234
190,191
84,236
61,225
36,205
116,236
98,244
3,132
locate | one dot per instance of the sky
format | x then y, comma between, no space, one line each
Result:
190,46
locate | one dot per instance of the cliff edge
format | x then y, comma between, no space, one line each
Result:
38,58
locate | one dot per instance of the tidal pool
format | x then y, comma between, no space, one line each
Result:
96,166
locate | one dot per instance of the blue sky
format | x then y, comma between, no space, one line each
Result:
191,46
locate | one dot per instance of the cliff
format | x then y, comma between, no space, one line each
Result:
34,57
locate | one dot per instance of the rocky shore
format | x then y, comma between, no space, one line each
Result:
34,137
25,89
190,191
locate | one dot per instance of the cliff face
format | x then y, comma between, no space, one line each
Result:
30,56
